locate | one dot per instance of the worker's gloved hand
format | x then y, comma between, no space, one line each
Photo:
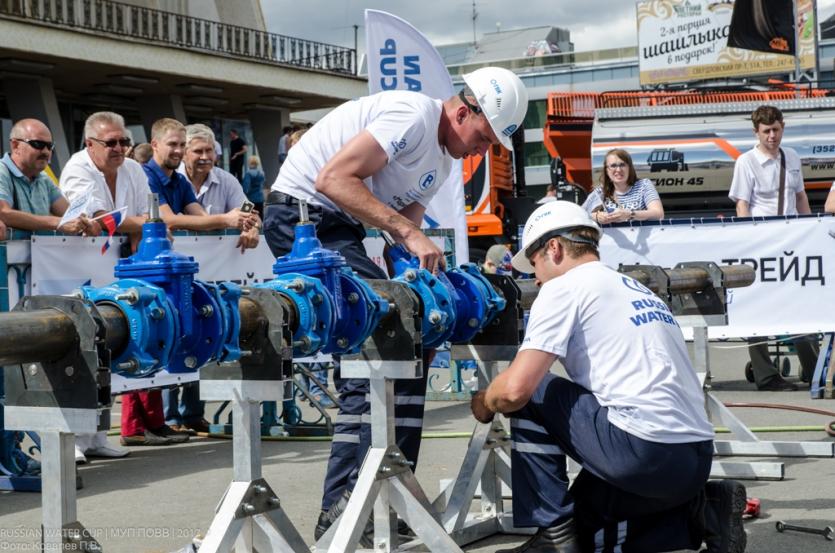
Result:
479,408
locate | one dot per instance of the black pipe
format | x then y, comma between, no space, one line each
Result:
32,336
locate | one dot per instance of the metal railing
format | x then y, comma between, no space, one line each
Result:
107,17
554,61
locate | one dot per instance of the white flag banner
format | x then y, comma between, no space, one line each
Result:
793,259
82,204
401,58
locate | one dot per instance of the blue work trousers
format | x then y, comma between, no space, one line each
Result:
631,494
187,409
352,431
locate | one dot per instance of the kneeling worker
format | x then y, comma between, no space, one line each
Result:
632,414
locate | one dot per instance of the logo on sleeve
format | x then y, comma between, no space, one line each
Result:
398,146
427,180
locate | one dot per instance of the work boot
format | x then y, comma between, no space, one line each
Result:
555,539
176,436
725,504
327,518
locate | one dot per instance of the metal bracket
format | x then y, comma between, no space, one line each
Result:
259,498
79,379
267,354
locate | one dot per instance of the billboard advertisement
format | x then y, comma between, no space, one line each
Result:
687,40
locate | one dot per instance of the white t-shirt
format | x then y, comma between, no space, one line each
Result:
757,181
80,175
619,341
404,123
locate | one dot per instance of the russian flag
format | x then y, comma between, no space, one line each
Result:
110,221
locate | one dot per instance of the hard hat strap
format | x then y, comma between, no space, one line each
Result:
474,108
542,240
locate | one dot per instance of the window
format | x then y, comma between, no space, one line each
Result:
536,154
535,118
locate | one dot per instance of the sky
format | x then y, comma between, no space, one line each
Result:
598,25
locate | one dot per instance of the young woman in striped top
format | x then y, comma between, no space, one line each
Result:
621,196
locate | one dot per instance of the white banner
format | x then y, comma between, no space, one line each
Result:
687,40
61,264
794,262
401,58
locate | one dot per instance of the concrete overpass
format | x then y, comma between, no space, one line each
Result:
61,60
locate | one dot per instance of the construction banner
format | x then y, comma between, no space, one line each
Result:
793,260
763,26
401,58
687,40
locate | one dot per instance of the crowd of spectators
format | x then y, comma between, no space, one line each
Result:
112,173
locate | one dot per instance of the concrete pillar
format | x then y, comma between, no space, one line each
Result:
157,106
34,97
266,128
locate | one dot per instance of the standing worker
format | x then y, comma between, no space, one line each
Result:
379,160
632,414
768,181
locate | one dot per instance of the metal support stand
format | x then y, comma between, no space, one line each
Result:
822,380
249,517
487,462
385,480
58,399
57,428
745,443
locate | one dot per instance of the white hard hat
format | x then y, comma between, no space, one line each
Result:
502,98
546,222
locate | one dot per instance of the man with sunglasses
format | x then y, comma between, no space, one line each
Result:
632,414
378,161
103,170
29,199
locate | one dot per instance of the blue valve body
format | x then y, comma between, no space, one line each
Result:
348,310
457,304
477,303
152,322
177,322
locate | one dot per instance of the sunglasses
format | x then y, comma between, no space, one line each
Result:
123,142
38,144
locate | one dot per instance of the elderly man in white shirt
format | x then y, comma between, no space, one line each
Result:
218,191
102,170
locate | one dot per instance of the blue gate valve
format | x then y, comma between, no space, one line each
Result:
200,316
341,310
477,304
436,293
